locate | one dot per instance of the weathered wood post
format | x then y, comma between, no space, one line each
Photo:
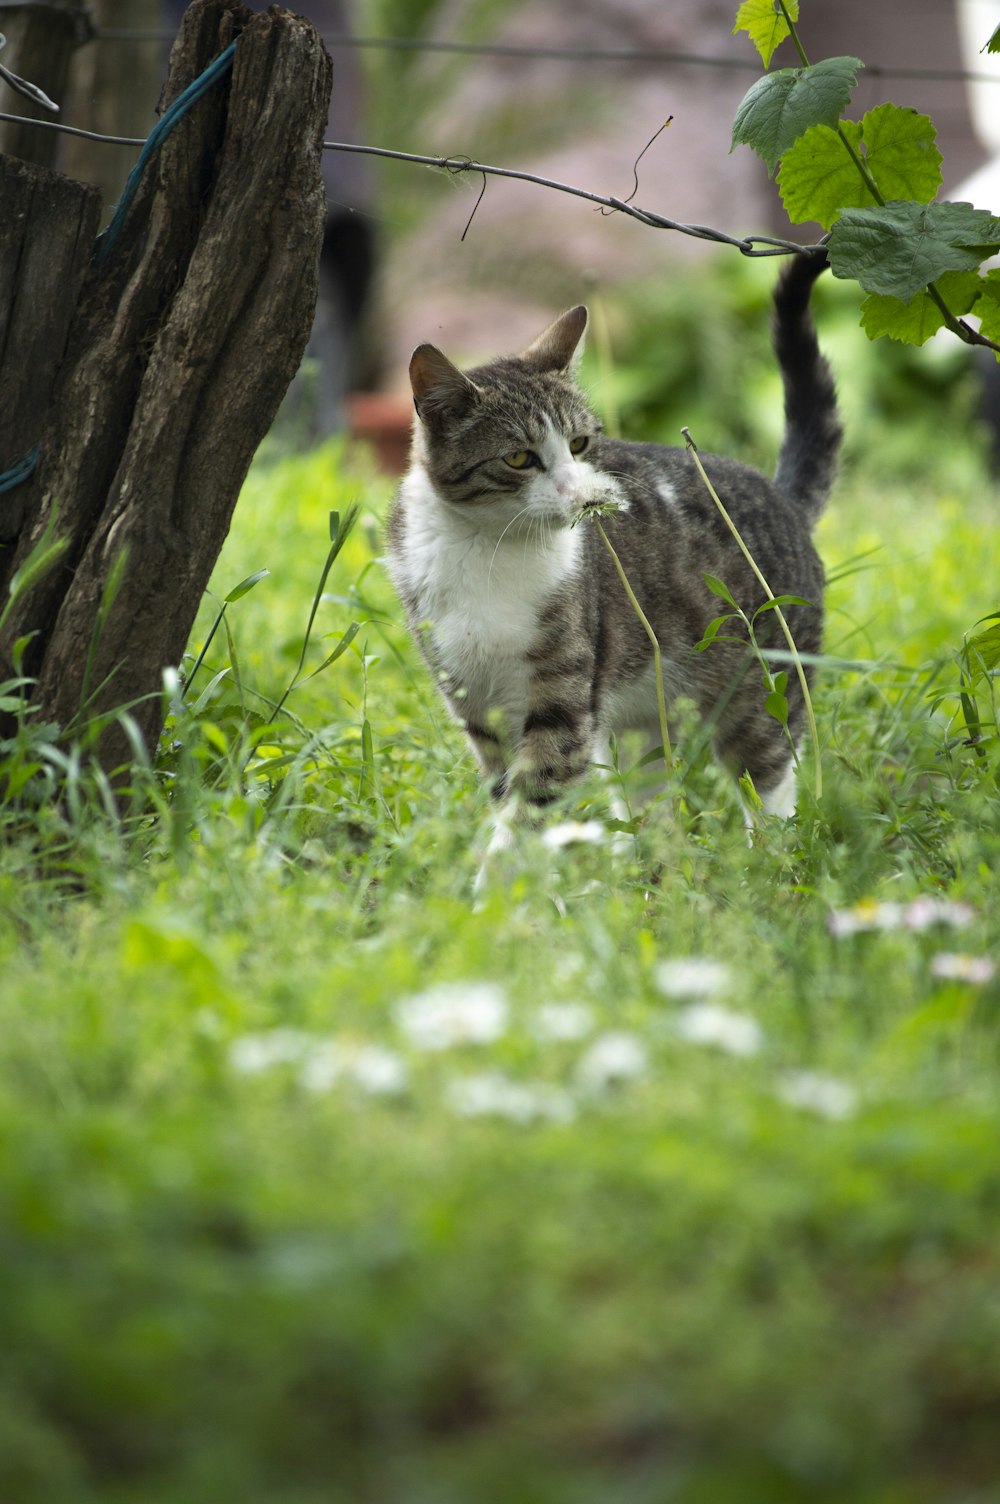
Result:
185,339
47,229
41,39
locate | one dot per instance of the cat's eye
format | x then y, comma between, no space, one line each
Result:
579,444
521,459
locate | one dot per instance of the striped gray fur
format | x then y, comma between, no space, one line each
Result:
522,615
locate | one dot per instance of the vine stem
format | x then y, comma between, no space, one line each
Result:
799,669
793,33
661,699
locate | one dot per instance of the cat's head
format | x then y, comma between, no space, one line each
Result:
510,438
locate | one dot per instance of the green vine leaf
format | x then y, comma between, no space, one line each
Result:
765,25
897,248
780,107
818,179
914,322
901,152
989,306
993,45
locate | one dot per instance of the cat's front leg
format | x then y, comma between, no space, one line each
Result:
556,742
492,753
553,750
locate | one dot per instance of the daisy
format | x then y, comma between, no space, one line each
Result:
454,1013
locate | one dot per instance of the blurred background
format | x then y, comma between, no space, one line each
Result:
571,90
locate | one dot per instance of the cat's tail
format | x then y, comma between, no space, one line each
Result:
807,461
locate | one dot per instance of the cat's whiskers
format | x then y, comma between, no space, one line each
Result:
516,518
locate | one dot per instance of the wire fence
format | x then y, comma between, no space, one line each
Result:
748,245
518,52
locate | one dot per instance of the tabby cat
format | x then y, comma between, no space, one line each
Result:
521,614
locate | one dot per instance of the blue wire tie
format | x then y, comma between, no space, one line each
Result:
21,471
154,141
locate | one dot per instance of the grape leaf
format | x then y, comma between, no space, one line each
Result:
914,322
897,248
781,106
901,153
993,45
765,25
989,307
818,179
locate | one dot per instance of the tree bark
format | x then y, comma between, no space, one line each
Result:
185,341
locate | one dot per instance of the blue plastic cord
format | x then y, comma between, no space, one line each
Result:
161,130
19,472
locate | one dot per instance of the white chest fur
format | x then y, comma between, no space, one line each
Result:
480,591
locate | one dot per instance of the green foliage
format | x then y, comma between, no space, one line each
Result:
781,106
898,248
914,322
818,178
259,1240
765,25
870,184
695,351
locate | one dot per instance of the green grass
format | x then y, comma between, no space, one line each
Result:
517,1268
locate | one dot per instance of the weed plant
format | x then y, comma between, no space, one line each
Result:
667,1173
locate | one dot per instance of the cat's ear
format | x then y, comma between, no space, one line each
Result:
440,390
558,347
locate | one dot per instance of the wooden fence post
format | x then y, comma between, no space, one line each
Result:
185,340
47,229
41,40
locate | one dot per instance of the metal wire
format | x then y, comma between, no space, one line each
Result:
566,54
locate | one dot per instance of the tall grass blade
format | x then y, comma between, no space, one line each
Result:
340,529
772,603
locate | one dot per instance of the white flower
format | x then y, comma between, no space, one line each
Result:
322,1065
611,1059
868,914
707,1023
454,1013
824,1095
563,1021
692,977
321,1062
919,914
952,966
574,833
493,1094
252,1053
923,912
377,1071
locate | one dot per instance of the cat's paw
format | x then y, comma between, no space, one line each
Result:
502,838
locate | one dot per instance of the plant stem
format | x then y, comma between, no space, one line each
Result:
661,701
793,33
799,669
862,168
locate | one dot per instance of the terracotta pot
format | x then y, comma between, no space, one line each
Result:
383,419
